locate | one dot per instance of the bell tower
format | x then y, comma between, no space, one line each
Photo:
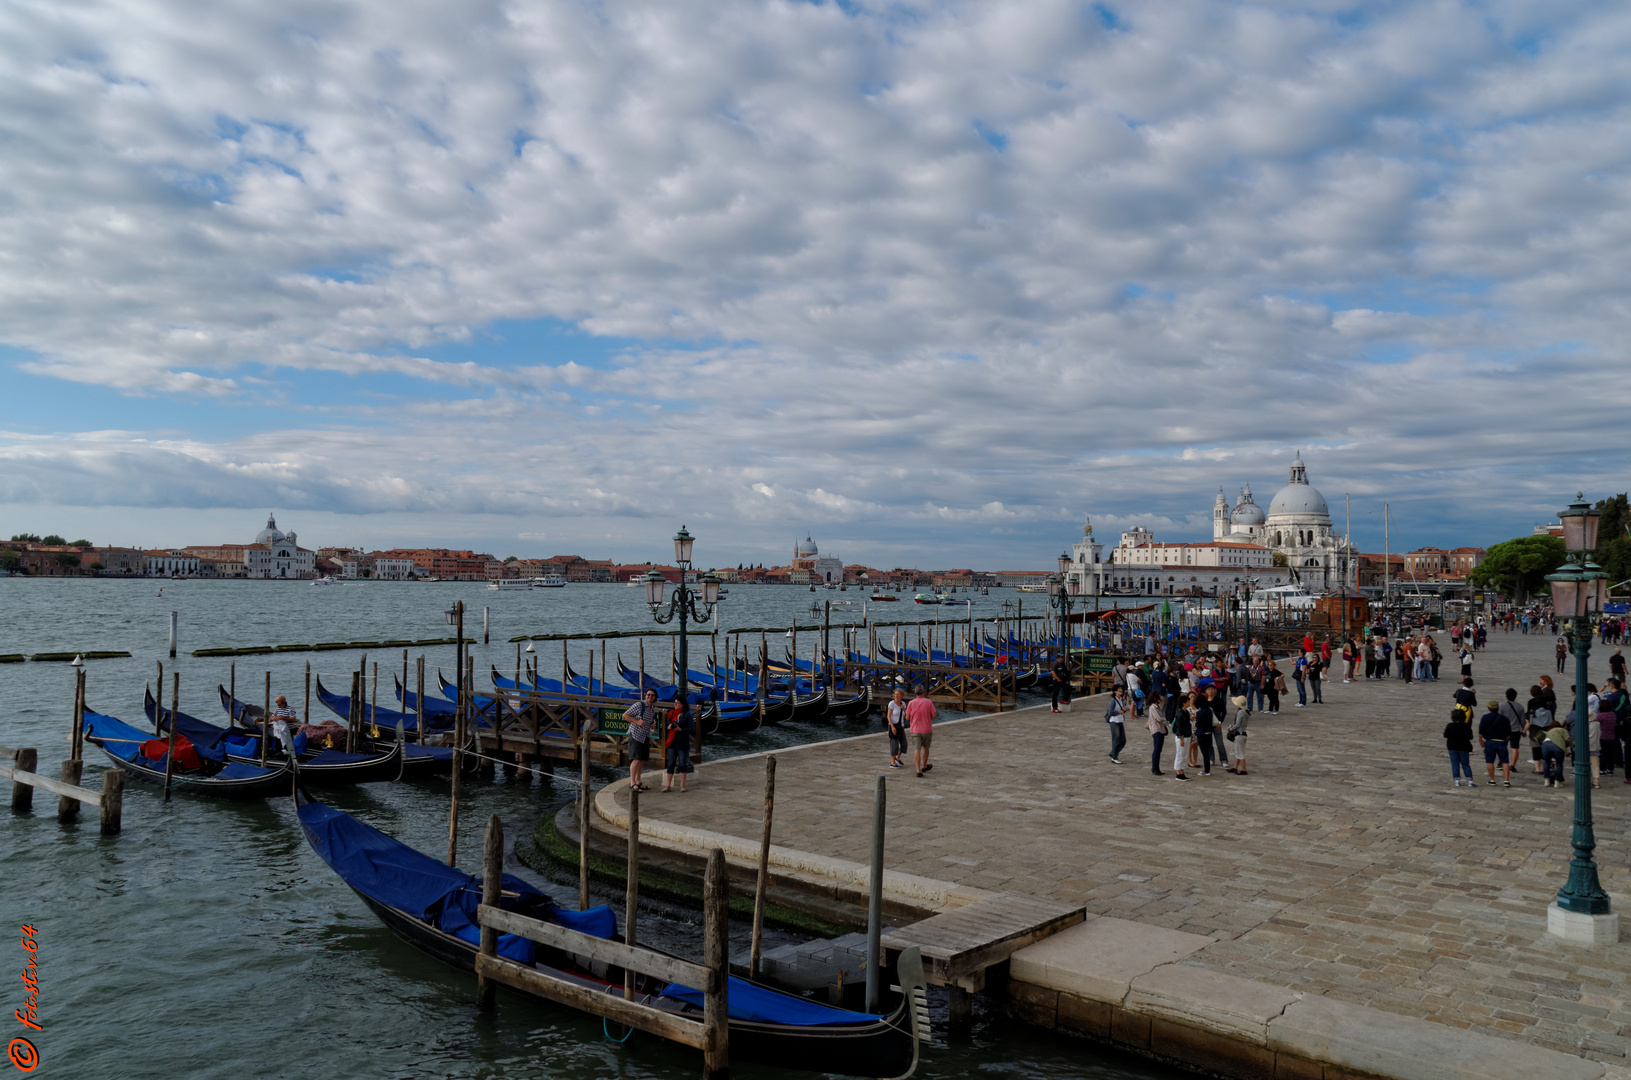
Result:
1220,517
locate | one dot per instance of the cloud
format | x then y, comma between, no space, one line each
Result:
923,269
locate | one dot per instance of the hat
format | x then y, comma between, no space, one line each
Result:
1239,702
1494,705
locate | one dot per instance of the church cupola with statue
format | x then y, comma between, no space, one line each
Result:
276,554
1297,528
809,565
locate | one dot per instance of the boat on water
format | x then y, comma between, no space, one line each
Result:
549,581
142,756
328,581
432,907
1033,588
511,584
926,598
884,598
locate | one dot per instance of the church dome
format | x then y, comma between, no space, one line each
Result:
1299,499
269,535
806,549
1247,512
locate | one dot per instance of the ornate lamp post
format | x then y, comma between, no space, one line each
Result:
1244,591
1062,597
1581,913
683,605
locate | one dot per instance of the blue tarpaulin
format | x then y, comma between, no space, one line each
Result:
764,1005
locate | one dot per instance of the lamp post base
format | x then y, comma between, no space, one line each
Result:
1576,928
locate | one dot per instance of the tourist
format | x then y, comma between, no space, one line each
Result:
1237,732
1458,741
1536,720
1347,660
1255,652
1466,659
1183,730
1274,684
677,747
1562,650
1466,695
1407,659
1205,729
1299,672
1608,725
1219,704
1256,680
1115,714
640,717
1616,666
920,714
1061,682
1434,659
1383,652
1493,732
1552,750
1548,692
897,727
1594,732
1423,652
1516,723
1316,672
1156,724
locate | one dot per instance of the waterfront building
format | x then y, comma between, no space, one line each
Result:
1142,566
442,563
278,555
177,563
1297,528
809,565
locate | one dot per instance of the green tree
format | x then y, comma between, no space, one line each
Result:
66,559
1614,539
1519,567
26,538
97,566
9,559
54,540
79,543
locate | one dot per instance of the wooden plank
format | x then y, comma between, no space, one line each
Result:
651,1020
644,961
55,787
959,945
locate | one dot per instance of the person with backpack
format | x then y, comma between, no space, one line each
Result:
1183,730
1274,684
1299,672
1315,670
1554,746
1115,714
1205,727
1458,741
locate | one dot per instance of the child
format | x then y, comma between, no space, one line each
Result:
1458,741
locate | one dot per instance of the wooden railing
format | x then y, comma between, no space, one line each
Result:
24,779
965,688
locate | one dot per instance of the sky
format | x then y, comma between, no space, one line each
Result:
930,282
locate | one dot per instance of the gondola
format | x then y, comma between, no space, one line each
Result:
216,778
418,759
432,907
327,768
438,711
384,719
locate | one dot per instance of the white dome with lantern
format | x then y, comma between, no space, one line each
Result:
806,549
271,534
1299,502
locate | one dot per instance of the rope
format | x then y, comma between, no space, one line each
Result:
604,1030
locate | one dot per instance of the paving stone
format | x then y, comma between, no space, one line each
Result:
1343,865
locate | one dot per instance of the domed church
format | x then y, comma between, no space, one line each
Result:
1297,526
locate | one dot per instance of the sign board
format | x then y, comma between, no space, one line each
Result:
1100,664
609,720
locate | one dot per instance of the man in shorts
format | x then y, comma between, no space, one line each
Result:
920,714
641,717
1494,734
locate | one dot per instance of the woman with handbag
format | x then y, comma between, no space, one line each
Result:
1275,682
1237,732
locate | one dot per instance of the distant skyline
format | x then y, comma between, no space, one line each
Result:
929,283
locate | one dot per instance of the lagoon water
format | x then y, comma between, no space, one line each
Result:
208,940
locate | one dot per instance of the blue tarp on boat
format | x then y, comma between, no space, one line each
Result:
764,1005
392,873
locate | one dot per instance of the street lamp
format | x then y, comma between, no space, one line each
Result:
683,605
1244,590
1582,912
1061,597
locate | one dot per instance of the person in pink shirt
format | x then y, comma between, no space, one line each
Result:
920,714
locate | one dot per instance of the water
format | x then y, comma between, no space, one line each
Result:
209,941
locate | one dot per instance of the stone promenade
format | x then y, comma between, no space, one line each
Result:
1343,865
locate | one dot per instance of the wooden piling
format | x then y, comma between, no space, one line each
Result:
67,806
755,951
874,897
158,702
631,897
22,795
419,698
352,713
266,721
305,708
716,1047
492,883
170,753
583,809
458,768
113,800
232,687
373,714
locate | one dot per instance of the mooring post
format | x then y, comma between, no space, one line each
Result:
874,898
67,805
459,716
266,721
419,698
305,708
22,795
158,702
755,951
170,753
583,806
113,800
485,640
631,896
174,617
232,690
373,710
716,906
492,883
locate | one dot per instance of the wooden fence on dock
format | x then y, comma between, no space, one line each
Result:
537,726
24,779
963,688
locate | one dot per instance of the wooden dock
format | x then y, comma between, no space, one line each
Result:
960,945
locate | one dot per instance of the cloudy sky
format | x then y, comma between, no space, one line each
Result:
931,282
